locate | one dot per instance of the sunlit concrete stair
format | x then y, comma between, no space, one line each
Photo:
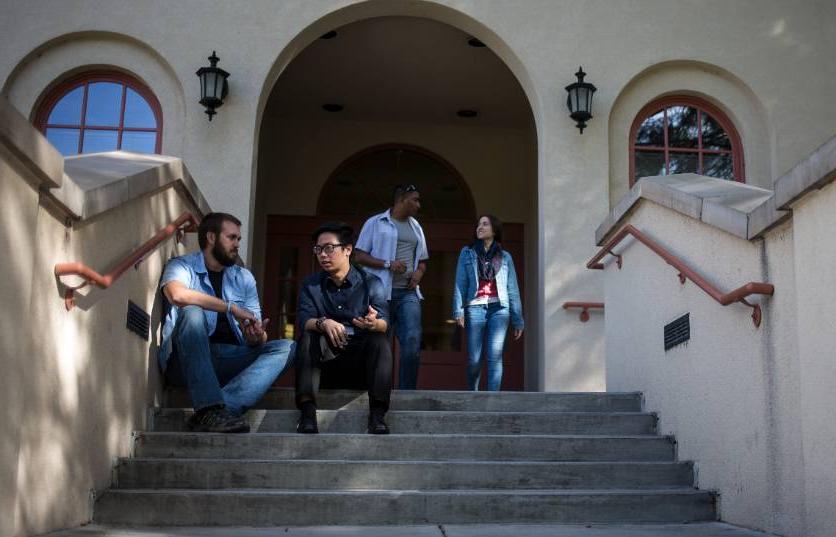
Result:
452,457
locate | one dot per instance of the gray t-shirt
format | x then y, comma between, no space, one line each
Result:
407,246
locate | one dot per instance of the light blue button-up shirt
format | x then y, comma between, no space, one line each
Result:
379,238
190,270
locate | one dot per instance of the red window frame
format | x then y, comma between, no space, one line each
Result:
56,93
702,107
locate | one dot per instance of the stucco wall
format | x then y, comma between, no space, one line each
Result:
782,57
17,222
732,393
815,253
75,384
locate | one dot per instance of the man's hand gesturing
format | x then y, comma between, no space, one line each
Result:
255,331
367,322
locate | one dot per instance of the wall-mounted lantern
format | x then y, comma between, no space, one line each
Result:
213,85
579,100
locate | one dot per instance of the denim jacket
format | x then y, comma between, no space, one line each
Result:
467,281
190,270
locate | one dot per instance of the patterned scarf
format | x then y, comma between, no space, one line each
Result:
488,263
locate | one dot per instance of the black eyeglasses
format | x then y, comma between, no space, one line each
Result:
327,248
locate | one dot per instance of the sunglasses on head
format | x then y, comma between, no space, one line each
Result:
405,189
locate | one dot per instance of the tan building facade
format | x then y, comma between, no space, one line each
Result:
404,74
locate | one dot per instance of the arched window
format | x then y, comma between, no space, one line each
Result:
684,135
101,111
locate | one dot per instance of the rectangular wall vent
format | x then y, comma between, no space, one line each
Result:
139,322
677,331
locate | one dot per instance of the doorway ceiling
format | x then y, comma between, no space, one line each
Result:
400,69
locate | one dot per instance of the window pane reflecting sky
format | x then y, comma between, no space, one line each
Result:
104,104
68,110
137,111
64,140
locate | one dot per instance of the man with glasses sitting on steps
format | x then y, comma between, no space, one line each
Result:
213,340
343,314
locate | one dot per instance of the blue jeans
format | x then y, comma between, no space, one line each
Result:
486,323
233,375
405,323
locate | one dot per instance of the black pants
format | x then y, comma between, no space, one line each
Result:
369,350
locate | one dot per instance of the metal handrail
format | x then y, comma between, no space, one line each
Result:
185,222
585,307
685,272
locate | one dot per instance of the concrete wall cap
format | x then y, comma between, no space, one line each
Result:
29,146
810,174
726,205
97,182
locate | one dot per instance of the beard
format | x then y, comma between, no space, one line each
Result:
222,257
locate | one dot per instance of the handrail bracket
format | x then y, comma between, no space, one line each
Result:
684,272
186,222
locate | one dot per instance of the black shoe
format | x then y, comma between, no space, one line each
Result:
217,419
307,424
376,423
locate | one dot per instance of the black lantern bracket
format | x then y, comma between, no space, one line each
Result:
213,85
579,100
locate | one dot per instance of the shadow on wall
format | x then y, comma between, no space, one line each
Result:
88,381
574,351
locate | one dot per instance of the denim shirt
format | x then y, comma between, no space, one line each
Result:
379,238
190,270
467,283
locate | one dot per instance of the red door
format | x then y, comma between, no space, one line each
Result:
289,260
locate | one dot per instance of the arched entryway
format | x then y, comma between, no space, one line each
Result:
425,99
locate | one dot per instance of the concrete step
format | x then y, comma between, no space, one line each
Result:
439,422
282,399
358,447
694,529
392,475
293,507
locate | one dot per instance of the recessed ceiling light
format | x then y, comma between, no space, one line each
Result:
329,35
331,107
473,42
467,113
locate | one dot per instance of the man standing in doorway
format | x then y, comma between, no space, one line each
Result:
392,246
213,341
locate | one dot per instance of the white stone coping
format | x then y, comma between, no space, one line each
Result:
811,174
29,147
86,185
98,182
742,210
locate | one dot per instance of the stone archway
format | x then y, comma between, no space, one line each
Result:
301,141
